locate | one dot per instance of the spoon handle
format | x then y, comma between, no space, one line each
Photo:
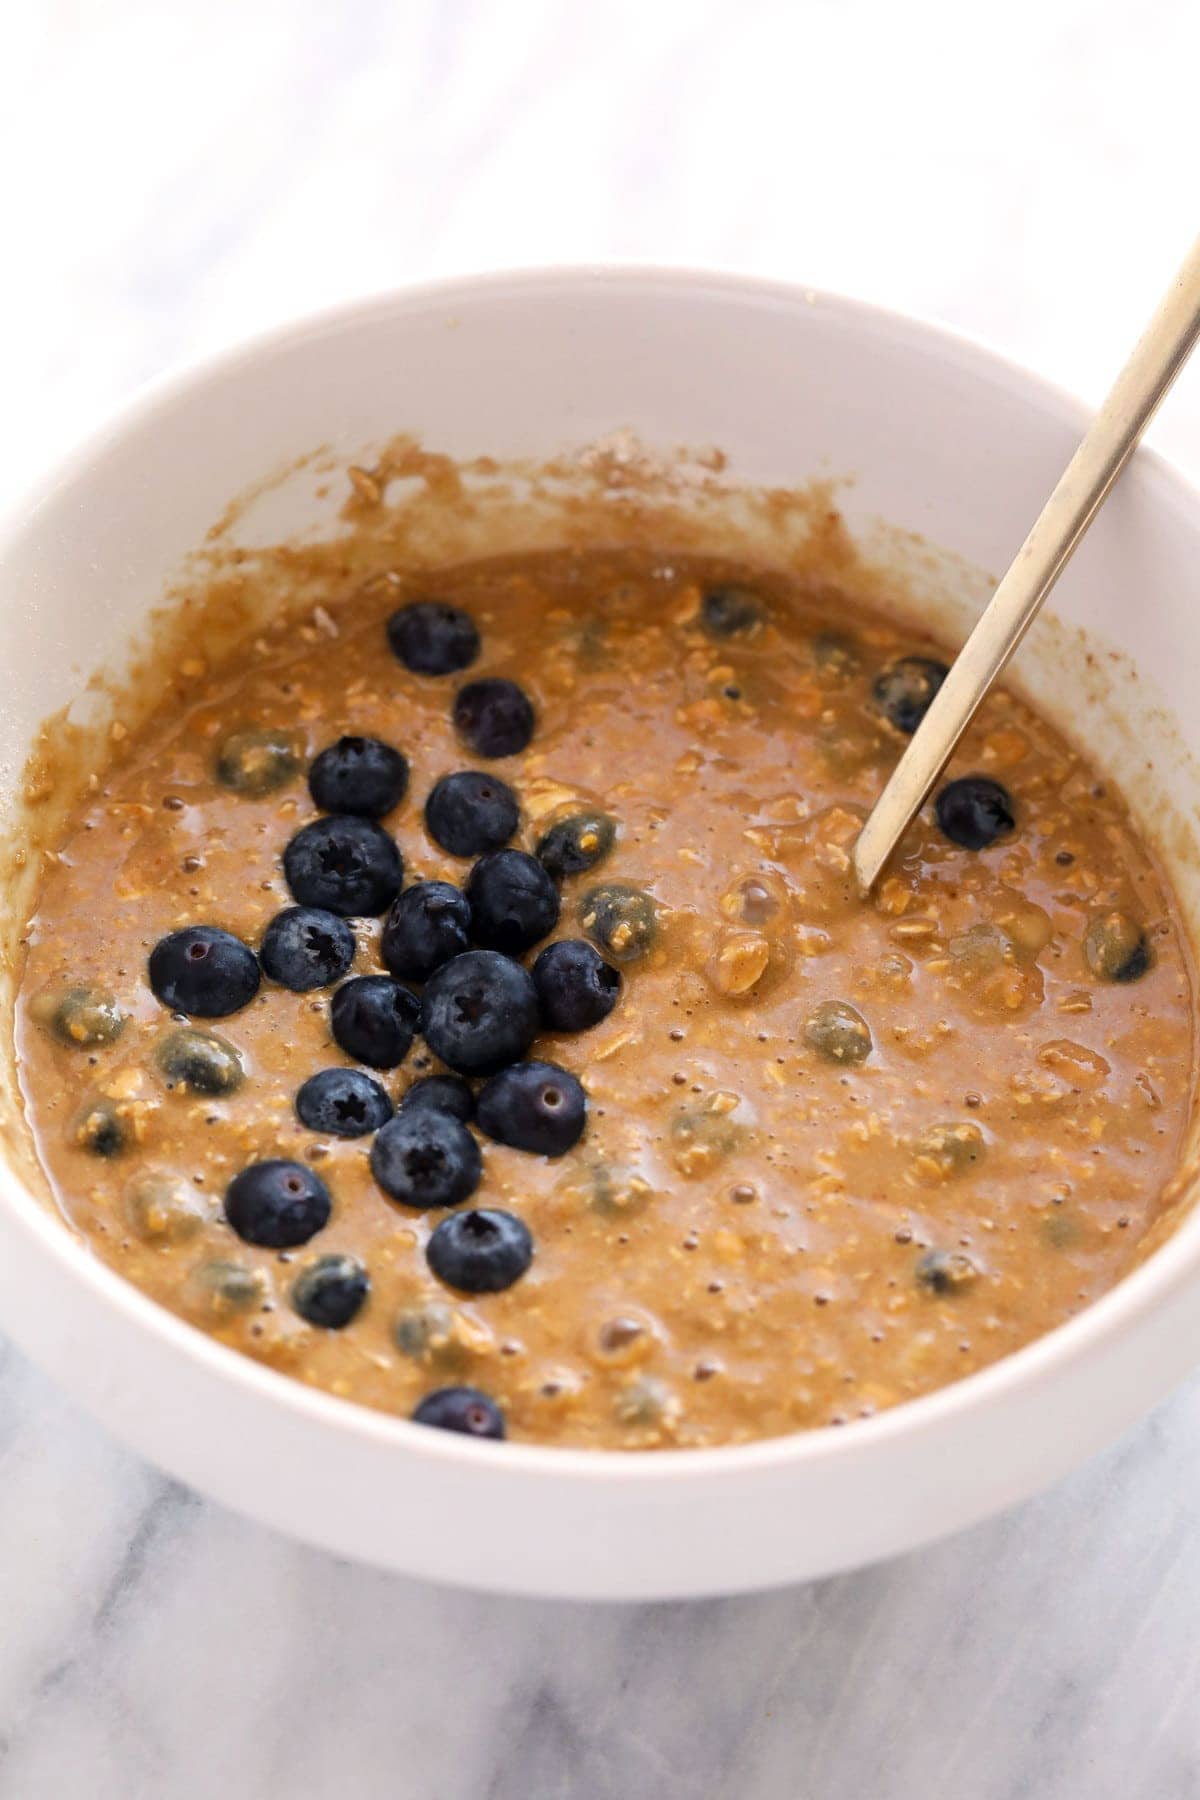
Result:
1157,358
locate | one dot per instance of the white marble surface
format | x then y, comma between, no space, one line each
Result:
175,175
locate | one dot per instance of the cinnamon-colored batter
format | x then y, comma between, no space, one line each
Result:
837,1153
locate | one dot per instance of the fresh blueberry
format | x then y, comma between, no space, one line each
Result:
494,717
514,903
348,866
204,972
471,812
277,1204
304,947
480,1252
200,1061
462,1409
374,1020
254,763
331,1291
728,610
479,1012
424,1158
974,811
432,638
533,1106
622,920
575,986
429,923
439,1093
576,843
904,690
343,1102
359,775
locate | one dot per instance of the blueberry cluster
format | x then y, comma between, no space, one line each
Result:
479,1010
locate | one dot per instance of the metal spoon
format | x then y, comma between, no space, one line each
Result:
1157,359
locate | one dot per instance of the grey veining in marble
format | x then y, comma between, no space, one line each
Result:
156,1646
177,175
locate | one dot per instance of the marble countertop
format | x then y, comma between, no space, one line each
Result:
179,175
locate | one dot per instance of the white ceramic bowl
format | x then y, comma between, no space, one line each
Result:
942,438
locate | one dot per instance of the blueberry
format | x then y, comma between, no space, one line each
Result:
479,1012
439,1093
471,812
946,1271
462,1409
85,1017
646,1401
494,717
904,690
203,971
514,903
1116,948
426,1331
304,947
429,923
343,1102
728,610
533,1106
359,775
424,1158
613,1190
331,1291
277,1204
200,1061
432,638
223,1287
622,920
165,1209
838,1032
836,657
703,1138
255,763
576,843
480,1252
349,866
951,1149
974,811
374,1020
575,986
100,1129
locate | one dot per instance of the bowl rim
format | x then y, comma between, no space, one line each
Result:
1170,1267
